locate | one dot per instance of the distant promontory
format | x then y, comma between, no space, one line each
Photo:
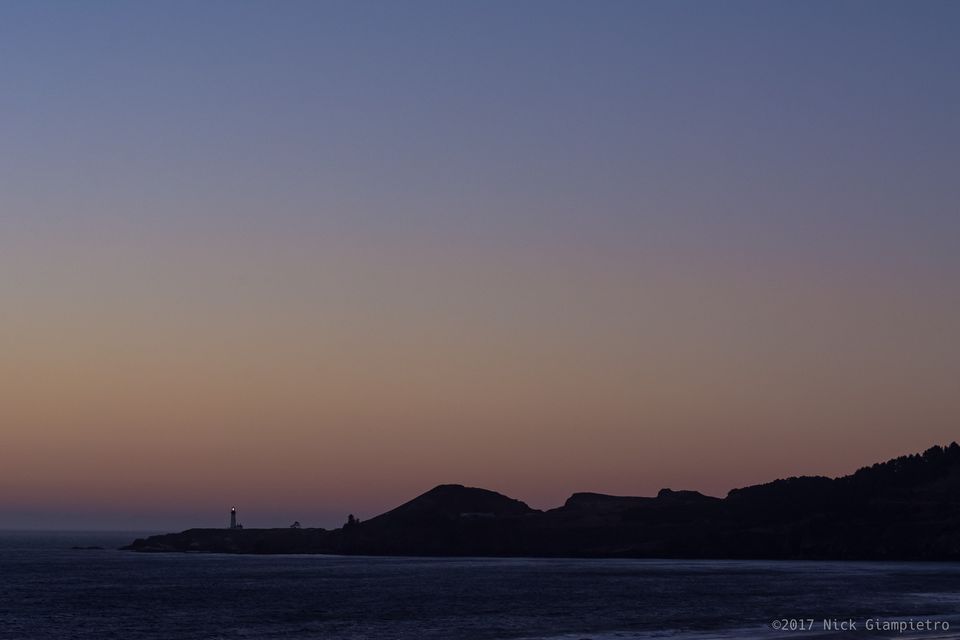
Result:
905,509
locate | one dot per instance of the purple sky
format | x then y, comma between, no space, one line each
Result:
315,258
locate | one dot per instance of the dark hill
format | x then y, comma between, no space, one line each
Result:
601,502
451,502
905,509
447,520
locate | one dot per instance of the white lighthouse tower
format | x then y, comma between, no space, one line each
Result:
233,517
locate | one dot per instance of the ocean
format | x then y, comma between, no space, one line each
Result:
48,590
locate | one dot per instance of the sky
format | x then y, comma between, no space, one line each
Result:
314,258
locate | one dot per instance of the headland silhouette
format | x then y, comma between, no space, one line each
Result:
907,508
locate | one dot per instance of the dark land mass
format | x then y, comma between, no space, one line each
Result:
904,509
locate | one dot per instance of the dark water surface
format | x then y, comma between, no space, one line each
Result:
48,590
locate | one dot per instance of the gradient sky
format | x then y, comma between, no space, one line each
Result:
315,258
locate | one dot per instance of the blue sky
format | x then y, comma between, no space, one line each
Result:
412,233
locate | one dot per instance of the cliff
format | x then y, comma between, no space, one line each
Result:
906,509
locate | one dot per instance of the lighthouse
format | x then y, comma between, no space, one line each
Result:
233,517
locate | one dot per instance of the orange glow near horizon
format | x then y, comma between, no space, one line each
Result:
314,259
354,381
